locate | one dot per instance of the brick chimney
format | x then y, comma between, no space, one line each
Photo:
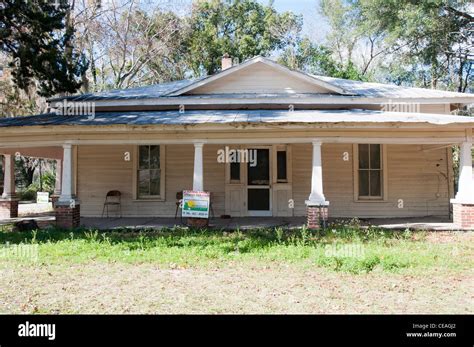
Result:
226,62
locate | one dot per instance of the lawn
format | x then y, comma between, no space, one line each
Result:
344,269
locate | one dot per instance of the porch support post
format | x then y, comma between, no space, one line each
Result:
463,204
57,184
66,181
198,184
8,201
67,208
317,206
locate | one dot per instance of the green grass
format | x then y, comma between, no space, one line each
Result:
346,248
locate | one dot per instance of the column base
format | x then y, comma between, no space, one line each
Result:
8,208
67,217
463,215
316,214
198,222
54,199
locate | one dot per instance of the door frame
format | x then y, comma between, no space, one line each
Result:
258,213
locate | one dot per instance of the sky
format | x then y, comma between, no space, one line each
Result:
314,25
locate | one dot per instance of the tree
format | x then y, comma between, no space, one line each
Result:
426,43
241,28
317,59
36,36
129,43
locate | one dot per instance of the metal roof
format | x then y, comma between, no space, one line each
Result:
350,88
380,90
235,117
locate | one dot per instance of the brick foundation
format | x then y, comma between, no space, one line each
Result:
67,217
315,214
463,215
8,208
54,199
197,222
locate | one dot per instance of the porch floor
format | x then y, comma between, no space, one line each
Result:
243,223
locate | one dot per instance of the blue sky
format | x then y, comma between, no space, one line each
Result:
314,25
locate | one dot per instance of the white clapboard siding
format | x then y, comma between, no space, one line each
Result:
258,78
103,168
417,176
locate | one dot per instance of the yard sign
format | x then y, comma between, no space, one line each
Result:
42,197
195,204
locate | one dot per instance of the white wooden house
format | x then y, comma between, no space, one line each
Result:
355,149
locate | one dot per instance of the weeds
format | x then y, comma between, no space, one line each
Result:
344,246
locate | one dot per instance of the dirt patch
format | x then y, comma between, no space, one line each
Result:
236,288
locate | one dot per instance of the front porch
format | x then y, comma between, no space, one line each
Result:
47,219
303,178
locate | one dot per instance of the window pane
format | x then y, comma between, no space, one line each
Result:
235,171
144,157
143,182
258,199
155,182
260,174
281,165
375,183
154,157
363,156
363,183
375,156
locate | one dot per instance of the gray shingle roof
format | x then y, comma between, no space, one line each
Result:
231,116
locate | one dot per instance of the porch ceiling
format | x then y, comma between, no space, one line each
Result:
35,152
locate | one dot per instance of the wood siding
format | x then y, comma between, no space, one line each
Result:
416,173
103,168
258,78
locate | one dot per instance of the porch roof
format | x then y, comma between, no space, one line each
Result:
253,117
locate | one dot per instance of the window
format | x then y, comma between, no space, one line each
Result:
235,172
150,180
370,172
281,167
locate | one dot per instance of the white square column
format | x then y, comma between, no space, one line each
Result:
465,184
8,177
67,175
317,198
198,178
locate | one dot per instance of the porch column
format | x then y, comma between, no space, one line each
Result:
67,208
57,184
198,184
66,181
8,201
463,204
317,206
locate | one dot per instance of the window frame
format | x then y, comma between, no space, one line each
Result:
384,174
162,195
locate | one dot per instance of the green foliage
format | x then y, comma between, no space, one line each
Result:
429,41
317,59
39,40
241,28
344,247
